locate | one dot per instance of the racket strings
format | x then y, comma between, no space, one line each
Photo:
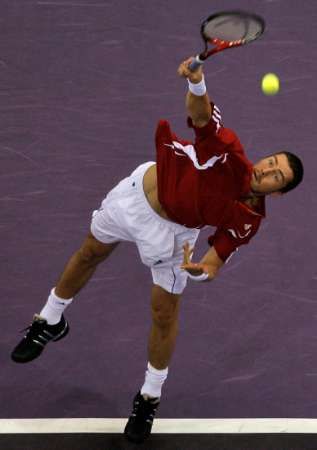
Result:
235,27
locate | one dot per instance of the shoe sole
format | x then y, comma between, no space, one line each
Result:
135,440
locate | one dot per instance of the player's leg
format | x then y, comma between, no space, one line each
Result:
110,224
161,344
169,283
50,324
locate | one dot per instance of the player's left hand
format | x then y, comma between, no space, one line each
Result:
183,71
193,268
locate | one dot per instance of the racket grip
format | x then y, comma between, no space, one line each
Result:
197,62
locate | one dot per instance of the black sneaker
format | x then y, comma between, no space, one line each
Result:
140,422
39,333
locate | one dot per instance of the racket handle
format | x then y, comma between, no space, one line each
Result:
195,64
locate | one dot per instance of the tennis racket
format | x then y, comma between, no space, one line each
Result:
227,29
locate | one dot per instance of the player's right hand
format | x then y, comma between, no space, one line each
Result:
183,71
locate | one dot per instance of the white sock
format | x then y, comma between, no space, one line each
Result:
54,308
154,380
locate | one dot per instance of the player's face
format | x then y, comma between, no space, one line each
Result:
271,174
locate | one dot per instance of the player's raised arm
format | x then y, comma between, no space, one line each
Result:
197,100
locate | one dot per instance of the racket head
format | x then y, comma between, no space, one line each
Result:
232,28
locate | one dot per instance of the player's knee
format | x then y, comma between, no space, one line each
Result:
162,319
93,252
88,256
165,312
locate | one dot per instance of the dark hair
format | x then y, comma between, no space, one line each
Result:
297,169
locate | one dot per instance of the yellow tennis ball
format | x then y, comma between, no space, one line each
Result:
270,84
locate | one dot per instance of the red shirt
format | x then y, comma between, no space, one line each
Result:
202,183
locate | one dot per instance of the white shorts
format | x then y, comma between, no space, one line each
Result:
126,215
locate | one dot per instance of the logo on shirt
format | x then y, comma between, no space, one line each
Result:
190,151
236,234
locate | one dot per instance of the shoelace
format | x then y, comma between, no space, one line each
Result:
34,325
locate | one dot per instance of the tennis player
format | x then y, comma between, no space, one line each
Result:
161,207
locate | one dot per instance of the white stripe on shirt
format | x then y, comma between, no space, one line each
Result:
191,153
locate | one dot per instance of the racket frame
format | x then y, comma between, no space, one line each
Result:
220,45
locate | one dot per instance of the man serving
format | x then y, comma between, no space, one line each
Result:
161,207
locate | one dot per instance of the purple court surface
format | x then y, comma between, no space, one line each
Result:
82,86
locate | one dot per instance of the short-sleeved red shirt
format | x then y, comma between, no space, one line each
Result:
203,183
